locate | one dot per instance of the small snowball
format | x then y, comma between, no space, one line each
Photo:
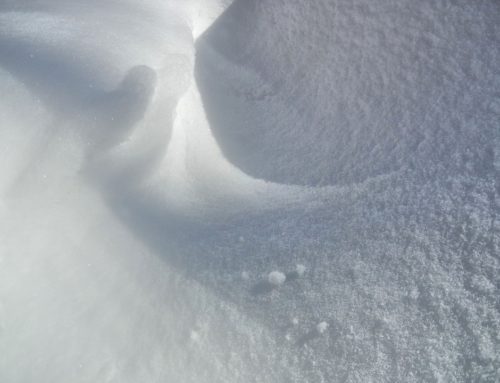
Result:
245,276
276,278
194,336
414,294
321,327
300,269
288,337
295,321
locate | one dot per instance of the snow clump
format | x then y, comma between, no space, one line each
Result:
321,327
300,269
276,278
194,336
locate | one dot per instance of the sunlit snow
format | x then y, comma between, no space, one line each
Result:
249,191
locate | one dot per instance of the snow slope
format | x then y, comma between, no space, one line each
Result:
261,191
374,87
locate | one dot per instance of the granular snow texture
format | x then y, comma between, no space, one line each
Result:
159,158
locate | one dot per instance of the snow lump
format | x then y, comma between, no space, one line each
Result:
276,278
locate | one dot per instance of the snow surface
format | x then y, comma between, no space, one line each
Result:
150,151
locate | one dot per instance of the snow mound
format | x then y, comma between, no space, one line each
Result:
160,154
367,91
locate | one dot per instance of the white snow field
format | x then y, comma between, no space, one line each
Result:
249,191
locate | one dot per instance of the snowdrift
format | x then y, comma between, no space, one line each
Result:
370,89
271,191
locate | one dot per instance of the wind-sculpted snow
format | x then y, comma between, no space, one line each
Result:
371,88
262,191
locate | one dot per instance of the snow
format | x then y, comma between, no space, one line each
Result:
157,157
300,269
321,327
276,278
194,336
